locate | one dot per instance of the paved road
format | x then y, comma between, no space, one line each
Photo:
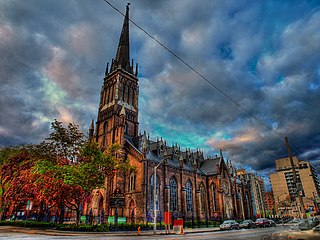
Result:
246,234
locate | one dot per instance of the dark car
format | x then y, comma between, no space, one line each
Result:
272,223
247,224
262,222
229,224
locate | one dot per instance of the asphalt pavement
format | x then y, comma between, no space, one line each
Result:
59,233
53,232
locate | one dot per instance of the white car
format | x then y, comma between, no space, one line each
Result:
229,224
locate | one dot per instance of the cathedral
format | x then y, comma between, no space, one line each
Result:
167,178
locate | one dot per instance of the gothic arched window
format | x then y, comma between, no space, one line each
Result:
126,128
202,198
111,93
132,182
189,196
130,96
126,93
173,194
152,193
214,197
107,96
134,98
105,127
120,93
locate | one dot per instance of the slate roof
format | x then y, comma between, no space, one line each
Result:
156,150
209,166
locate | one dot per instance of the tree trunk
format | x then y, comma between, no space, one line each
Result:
77,216
61,215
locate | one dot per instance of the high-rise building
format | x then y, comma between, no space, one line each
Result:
257,191
285,188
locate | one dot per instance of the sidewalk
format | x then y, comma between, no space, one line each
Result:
52,232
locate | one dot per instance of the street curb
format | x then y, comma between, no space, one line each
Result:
52,232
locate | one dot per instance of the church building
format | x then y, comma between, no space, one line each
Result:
188,184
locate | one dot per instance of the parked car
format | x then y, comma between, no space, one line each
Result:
229,224
311,234
272,223
306,224
247,224
262,222
294,221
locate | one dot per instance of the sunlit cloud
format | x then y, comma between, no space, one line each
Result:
261,53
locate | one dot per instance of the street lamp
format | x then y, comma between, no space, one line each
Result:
155,192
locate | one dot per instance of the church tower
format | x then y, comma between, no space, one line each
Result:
118,109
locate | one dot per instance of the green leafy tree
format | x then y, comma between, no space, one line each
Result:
61,171
75,167
65,142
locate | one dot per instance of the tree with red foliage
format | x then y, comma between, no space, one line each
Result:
62,171
17,180
76,168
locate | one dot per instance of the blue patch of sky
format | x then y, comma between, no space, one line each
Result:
252,65
184,139
225,51
277,15
314,86
279,78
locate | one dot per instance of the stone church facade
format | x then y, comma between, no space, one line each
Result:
188,184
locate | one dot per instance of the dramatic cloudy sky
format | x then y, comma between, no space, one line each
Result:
263,54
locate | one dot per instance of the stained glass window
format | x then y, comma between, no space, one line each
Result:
189,196
173,195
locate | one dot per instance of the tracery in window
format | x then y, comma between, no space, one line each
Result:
189,196
173,195
214,197
132,182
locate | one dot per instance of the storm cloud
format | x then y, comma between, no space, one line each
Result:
263,54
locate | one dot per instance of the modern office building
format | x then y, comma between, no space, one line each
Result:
286,189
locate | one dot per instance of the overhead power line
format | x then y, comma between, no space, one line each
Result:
203,77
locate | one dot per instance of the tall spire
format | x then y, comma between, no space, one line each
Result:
123,52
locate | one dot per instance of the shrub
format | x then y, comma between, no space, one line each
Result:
35,224
83,227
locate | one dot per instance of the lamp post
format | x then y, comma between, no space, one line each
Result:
155,192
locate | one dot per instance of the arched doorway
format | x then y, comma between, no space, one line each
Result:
101,211
229,209
97,205
132,213
100,208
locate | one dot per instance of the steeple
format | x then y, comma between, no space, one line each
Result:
123,52
118,108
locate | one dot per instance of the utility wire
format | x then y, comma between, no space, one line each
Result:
203,77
